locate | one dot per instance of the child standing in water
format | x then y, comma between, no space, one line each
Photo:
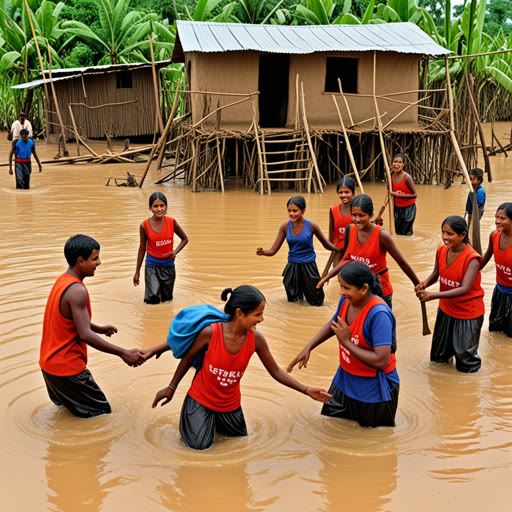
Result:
405,195
213,402
157,238
300,276
340,216
370,243
461,306
476,176
500,245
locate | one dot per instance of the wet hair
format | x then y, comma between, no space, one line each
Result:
507,208
478,173
24,131
346,182
298,201
245,297
357,273
364,202
458,224
157,195
79,245
398,155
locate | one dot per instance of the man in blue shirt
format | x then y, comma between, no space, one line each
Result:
23,149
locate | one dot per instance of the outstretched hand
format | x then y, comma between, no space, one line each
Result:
260,251
302,359
108,330
322,282
165,394
318,394
133,357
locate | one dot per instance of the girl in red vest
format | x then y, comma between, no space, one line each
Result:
405,195
370,243
365,388
340,216
461,306
157,238
213,400
500,245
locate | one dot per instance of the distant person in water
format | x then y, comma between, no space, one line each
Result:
67,330
157,240
20,124
300,276
23,148
405,196
213,402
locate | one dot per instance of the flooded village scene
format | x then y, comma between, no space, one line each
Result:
241,264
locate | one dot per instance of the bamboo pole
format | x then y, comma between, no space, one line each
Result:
77,135
39,57
349,147
63,134
383,148
219,159
297,105
310,144
470,83
346,103
260,159
477,245
158,111
163,136
404,110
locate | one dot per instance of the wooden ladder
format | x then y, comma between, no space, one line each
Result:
286,157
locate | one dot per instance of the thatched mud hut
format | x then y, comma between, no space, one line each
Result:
285,103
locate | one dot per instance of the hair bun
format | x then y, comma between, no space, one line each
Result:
225,293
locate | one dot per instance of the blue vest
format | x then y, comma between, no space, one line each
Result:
301,246
24,150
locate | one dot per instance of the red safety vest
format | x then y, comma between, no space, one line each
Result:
159,245
217,384
467,306
62,352
402,188
348,361
340,223
503,260
370,253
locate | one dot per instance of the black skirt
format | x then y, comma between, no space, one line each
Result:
404,219
500,319
379,414
459,338
300,280
159,284
198,424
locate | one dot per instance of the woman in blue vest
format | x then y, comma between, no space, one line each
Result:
300,275
365,387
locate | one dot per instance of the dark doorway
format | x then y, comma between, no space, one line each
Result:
273,86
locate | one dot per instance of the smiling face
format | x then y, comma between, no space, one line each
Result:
88,266
398,164
475,180
352,294
251,320
295,213
345,194
502,221
451,238
158,208
360,218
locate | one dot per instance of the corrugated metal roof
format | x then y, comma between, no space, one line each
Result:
67,73
197,36
38,83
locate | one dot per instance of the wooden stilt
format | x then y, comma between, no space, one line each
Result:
155,86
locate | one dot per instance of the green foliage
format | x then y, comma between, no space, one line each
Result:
81,55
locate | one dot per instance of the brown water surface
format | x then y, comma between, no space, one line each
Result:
451,448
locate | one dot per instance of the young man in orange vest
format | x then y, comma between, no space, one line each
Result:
67,330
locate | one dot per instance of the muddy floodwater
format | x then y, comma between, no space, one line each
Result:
452,445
